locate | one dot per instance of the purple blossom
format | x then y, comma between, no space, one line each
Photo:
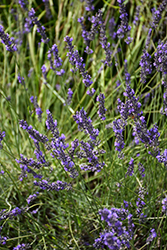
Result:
33,20
116,236
69,97
141,169
3,240
77,61
56,62
137,13
101,112
59,185
148,38
89,6
34,134
2,135
85,124
124,27
164,206
112,25
10,46
32,197
13,213
130,170
118,128
88,152
162,158
91,92
146,65
151,236
140,204
23,4
37,108
43,68
156,14
161,58
22,247
47,8
85,34
21,80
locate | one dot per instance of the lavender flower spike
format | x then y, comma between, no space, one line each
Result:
102,109
2,135
37,108
85,124
6,40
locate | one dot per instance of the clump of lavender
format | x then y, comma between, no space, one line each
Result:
118,128
22,247
38,110
151,236
161,58
32,197
2,135
85,33
69,96
77,61
130,170
89,6
101,112
111,27
117,235
146,66
156,14
58,146
140,203
56,62
164,206
43,68
33,20
47,8
21,80
13,213
124,27
85,124
91,92
141,169
59,185
88,152
10,46
136,18
23,4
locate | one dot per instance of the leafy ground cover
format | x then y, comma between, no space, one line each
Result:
83,95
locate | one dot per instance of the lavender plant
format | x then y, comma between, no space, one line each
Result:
87,168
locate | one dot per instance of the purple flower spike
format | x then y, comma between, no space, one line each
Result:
6,40
85,124
37,108
102,109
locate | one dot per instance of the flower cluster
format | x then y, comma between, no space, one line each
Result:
151,236
10,46
77,61
88,151
164,205
69,96
130,168
2,135
124,27
33,20
118,128
161,57
100,98
32,197
22,247
116,235
85,124
156,14
59,146
37,108
136,17
13,213
56,62
23,4
146,66
59,185
47,8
